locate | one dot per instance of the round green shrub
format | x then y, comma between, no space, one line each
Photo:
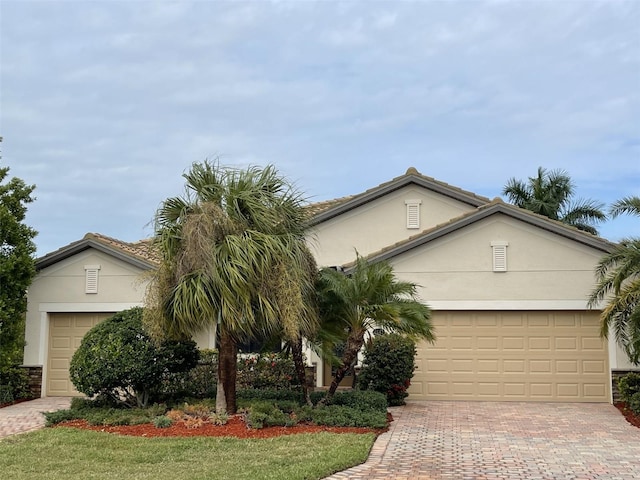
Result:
388,366
119,359
629,385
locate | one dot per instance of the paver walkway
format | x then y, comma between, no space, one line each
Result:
27,416
503,440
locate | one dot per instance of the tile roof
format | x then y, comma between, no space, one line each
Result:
142,249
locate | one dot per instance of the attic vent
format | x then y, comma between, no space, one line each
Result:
91,278
413,213
499,249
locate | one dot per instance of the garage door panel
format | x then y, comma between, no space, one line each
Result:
514,357
66,331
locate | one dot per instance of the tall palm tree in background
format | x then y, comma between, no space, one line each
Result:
618,275
368,297
233,255
549,194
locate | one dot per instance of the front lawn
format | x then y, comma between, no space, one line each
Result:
68,453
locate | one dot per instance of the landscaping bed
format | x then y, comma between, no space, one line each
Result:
235,427
631,417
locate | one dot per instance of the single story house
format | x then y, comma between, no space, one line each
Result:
508,290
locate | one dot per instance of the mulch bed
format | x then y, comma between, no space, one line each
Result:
235,427
631,417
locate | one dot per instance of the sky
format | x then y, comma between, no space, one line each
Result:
105,104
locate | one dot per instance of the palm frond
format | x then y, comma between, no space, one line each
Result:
626,205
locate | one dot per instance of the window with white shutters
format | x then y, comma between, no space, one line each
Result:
91,278
413,213
499,249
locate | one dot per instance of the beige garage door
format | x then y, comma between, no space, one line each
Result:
529,356
65,333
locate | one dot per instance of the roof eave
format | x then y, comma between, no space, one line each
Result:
392,186
85,244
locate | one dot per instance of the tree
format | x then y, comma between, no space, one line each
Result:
549,194
234,256
17,266
618,281
368,297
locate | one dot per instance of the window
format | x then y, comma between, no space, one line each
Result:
91,278
499,249
413,213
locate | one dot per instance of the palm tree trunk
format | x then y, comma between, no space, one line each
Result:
298,360
227,372
355,340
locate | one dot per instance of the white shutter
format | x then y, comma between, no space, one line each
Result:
91,278
499,249
413,213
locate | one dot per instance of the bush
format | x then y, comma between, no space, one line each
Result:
198,382
162,422
264,414
388,367
361,400
269,394
629,385
274,371
634,403
17,379
53,418
341,416
118,359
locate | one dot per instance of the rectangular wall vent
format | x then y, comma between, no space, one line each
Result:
499,249
413,213
91,278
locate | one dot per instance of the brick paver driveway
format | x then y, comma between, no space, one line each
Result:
27,416
503,440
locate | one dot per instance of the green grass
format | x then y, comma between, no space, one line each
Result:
67,453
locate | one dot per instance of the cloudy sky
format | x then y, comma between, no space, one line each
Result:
106,103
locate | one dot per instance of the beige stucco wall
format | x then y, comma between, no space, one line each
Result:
542,267
378,224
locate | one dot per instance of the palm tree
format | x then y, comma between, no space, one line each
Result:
234,256
549,194
368,297
618,276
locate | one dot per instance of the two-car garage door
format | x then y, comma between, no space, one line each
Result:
65,333
518,356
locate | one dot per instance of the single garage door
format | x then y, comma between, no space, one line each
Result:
517,356
65,333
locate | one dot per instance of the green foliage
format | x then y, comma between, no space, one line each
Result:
265,414
389,362
162,422
550,194
361,400
269,394
199,382
17,379
368,296
17,267
274,371
53,418
629,385
634,403
118,359
341,416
